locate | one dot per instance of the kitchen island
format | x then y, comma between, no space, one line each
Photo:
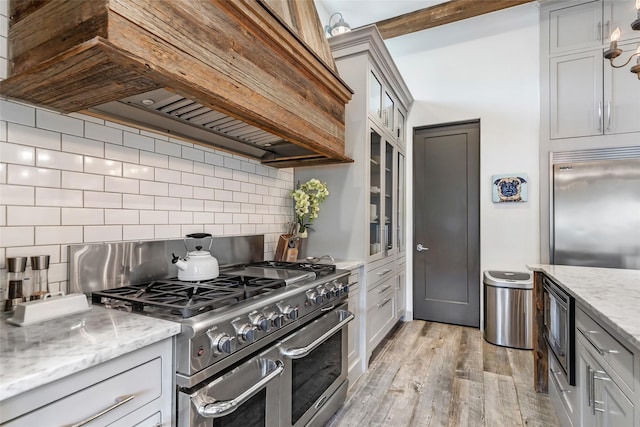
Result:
60,360
594,377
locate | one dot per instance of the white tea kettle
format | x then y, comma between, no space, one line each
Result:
198,264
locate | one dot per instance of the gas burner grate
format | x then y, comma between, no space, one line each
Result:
187,299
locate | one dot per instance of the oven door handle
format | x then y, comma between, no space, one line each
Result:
299,352
225,407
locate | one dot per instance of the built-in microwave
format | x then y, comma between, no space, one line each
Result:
559,327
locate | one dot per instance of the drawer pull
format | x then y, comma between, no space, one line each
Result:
385,302
384,289
586,334
555,378
385,271
121,400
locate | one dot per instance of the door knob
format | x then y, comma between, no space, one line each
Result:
421,248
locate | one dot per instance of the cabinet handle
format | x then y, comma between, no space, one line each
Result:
592,390
121,400
609,115
600,350
300,352
599,116
599,31
387,301
589,396
384,289
385,271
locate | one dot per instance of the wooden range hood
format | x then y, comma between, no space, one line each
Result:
247,76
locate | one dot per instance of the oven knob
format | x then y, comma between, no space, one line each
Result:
261,322
248,333
277,320
291,312
225,343
345,289
314,298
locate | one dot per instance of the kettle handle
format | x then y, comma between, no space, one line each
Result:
199,236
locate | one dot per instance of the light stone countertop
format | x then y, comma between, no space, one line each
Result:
348,264
41,353
612,295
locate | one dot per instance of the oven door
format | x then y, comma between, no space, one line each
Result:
314,383
247,395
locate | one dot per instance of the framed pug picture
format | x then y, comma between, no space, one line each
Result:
510,187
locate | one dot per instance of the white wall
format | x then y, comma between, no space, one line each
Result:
484,68
75,179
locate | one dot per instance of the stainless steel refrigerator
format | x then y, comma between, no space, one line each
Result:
596,214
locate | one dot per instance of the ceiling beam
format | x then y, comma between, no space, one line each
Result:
444,13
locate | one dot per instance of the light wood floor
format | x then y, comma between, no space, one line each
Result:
433,374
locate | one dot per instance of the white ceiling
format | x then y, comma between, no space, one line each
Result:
363,12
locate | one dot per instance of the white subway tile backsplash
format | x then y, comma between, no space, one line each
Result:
248,208
168,231
262,189
192,205
122,127
137,232
183,165
82,216
213,159
17,195
213,206
176,190
3,173
167,175
3,131
154,159
224,196
211,182
168,148
202,193
103,133
140,142
192,154
138,171
38,177
154,135
232,163
222,172
102,166
255,179
82,181
86,118
121,216
256,219
255,199
246,187
16,236
202,169
134,201
262,209
122,185
232,229
53,251
59,160
96,199
154,217
32,215
240,218
26,135
224,218
154,188
214,229
58,235
121,153
58,197
17,154
103,233
232,207
180,218
231,185
190,229
167,203
88,147
240,197
247,229
203,217
192,179
240,176
18,113
59,122
249,167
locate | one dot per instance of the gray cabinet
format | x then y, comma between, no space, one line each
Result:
132,390
588,97
354,347
607,375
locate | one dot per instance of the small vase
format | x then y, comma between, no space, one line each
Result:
303,234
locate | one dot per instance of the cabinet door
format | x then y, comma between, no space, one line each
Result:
612,407
376,195
375,95
576,107
401,290
576,27
621,95
585,366
620,14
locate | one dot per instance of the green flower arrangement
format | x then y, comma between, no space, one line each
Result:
308,197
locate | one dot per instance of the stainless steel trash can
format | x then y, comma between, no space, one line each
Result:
508,308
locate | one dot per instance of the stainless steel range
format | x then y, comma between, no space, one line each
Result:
262,344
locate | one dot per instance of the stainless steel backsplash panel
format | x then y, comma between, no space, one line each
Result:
94,267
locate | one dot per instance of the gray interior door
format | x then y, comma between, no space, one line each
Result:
446,262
